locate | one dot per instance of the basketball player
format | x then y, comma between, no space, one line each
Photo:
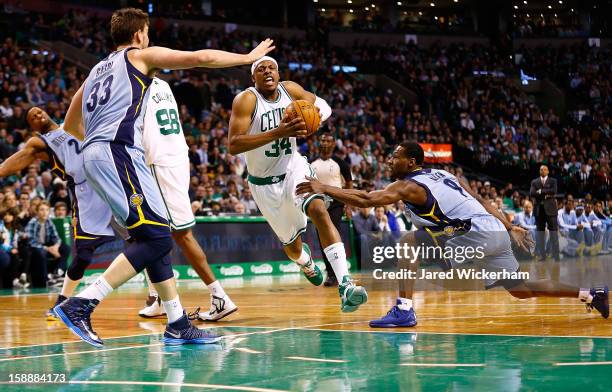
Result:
109,107
332,170
166,154
91,216
448,213
259,129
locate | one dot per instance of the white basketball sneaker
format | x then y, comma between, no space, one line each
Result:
219,308
153,308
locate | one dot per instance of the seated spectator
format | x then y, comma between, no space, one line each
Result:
47,252
571,233
60,210
11,269
606,220
59,194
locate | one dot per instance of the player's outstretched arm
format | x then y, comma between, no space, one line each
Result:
487,206
242,111
34,149
399,190
73,122
157,57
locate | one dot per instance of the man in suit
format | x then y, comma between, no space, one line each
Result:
543,191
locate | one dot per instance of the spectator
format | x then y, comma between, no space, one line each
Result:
47,252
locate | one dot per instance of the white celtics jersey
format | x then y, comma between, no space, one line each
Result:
163,139
273,158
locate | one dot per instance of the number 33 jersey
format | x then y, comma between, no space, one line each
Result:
447,202
163,140
114,101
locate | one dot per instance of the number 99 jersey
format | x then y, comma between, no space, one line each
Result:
114,101
163,139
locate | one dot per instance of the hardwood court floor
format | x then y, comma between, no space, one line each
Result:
288,335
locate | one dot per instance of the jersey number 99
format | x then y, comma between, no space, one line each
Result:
93,100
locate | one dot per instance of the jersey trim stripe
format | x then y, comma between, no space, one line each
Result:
140,83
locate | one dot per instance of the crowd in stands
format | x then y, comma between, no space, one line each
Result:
494,127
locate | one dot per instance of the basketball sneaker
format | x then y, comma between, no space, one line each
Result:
310,269
220,307
51,316
182,332
600,301
352,296
153,308
395,318
75,312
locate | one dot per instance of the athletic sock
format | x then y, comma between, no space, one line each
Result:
304,258
152,291
97,290
216,289
404,303
336,255
584,295
174,309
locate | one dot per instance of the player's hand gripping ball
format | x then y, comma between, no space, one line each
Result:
307,111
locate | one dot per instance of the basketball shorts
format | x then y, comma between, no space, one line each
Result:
486,245
283,209
120,176
173,183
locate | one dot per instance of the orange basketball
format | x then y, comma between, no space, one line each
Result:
307,111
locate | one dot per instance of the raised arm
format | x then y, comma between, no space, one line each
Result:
243,108
73,122
399,190
34,149
156,57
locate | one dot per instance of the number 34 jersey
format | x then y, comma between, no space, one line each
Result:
114,101
271,159
448,204
163,140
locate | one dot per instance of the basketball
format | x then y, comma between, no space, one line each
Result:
307,111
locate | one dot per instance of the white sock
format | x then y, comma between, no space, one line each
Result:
97,290
585,295
174,309
216,289
404,303
152,291
304,258
336,255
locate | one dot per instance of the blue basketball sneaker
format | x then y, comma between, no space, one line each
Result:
182,332
396,318
51,316
600,301
75,312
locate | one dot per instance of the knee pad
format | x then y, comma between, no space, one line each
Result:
144,253
80,263
160,270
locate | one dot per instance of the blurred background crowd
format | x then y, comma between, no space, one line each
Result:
463,94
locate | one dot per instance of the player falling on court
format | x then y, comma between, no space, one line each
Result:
91,216
166,153
259,129
449,214
108,112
